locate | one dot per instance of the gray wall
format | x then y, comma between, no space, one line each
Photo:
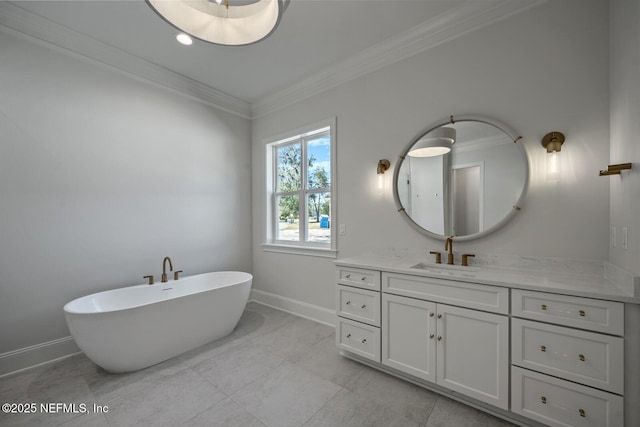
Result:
625,130
101,176
541,70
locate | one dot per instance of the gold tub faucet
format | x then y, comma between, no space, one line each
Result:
164,268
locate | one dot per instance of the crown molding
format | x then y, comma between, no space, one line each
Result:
447,26
18,21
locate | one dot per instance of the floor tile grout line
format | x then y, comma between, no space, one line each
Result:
325,404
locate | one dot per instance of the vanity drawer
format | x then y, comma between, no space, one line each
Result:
559,403
358,338
358,304
360,278
585,357
585,313
481,297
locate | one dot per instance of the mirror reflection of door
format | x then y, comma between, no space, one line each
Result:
467,201
427,195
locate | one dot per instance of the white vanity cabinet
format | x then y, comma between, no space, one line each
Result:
571,376
461,349
358,310
527,355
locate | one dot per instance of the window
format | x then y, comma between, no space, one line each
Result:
300,193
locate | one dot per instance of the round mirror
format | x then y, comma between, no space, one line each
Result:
463,177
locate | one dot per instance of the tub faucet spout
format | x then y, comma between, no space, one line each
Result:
164,268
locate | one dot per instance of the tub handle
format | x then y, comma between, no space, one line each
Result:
150,277
175,274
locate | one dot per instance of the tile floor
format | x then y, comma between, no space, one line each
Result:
275,369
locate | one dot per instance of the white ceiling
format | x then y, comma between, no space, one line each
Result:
315,38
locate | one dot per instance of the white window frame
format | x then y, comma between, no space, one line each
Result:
301,247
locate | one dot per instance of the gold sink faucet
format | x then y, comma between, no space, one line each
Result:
448,246
164,268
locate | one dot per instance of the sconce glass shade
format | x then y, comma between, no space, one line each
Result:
223,24
435,143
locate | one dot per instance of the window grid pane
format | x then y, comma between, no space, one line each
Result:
288,227
289,167
319,161
319,218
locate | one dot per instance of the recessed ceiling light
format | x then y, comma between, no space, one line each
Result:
184,39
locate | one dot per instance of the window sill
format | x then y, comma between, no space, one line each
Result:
300,250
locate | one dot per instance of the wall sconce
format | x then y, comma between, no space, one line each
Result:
552,142
383,166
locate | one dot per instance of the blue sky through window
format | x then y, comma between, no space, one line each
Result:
320,149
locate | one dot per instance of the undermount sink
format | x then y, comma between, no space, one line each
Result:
447,270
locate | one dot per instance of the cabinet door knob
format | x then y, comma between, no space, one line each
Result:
348,303
364,278
348,335
364,341
439,338
348,276
364,306
431,314
582,313
431,336
581,357
543,348
439,316
582,413
543,306
543,400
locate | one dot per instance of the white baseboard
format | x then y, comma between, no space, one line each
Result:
28,357
299,308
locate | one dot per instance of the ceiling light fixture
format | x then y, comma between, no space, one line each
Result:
223,22
184,39
435,143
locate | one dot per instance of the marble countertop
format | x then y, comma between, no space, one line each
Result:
602,280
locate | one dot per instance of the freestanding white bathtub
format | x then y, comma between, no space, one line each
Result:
131,328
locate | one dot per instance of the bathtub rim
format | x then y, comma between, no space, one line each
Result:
246,277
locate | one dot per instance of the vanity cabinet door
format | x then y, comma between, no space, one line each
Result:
409,336
473,354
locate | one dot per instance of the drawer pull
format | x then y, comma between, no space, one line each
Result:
364,306
348,303
581,357
364,340
348,335
431,336
364,278
543,348
581,411
559,312
348,276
